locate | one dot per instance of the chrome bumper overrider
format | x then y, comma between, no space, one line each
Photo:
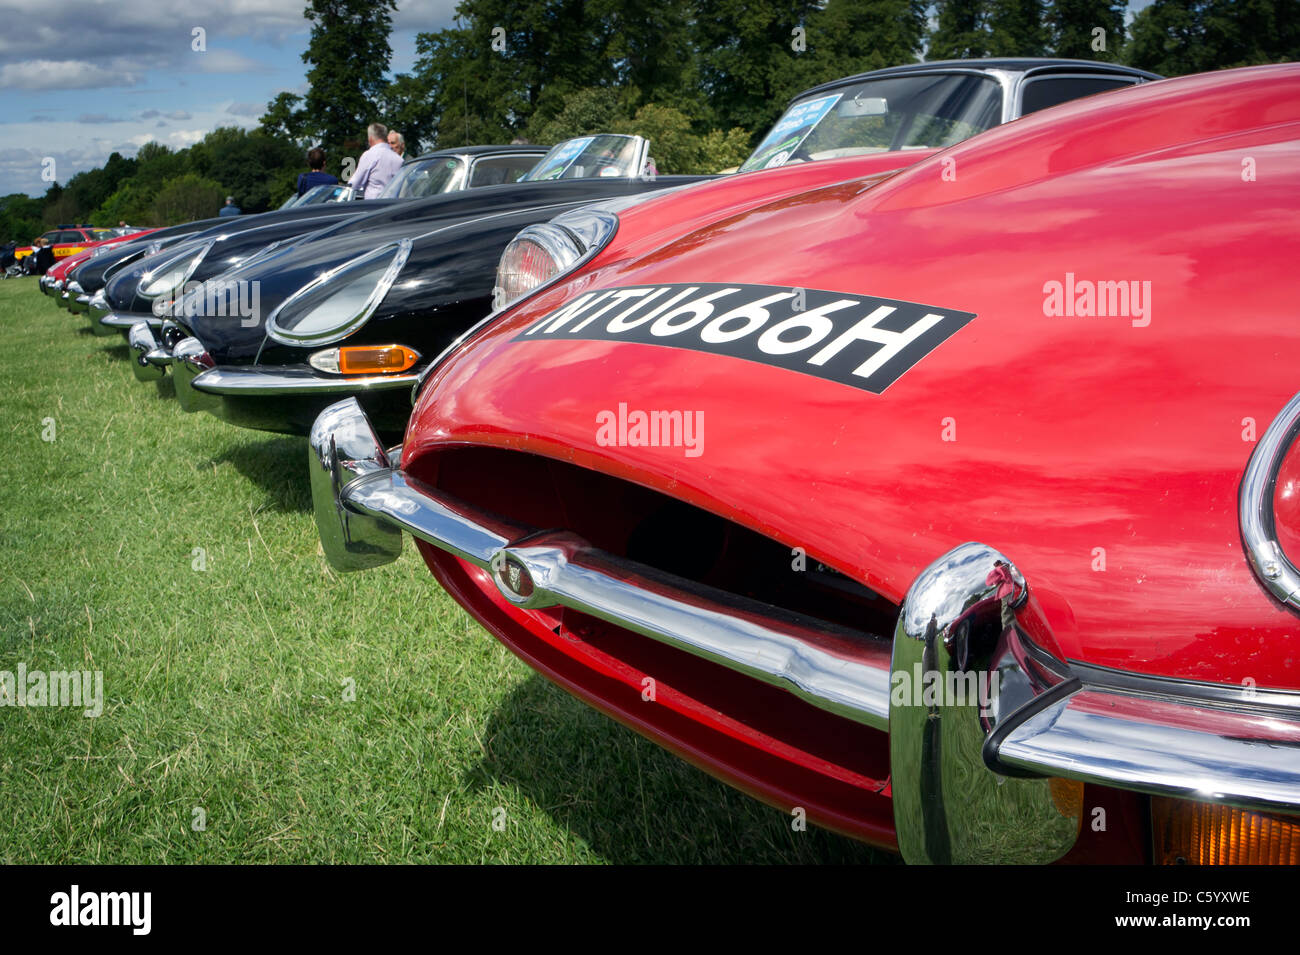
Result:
96,309
969,773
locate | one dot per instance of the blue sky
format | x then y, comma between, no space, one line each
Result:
80,79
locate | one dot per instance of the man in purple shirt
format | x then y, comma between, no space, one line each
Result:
378,164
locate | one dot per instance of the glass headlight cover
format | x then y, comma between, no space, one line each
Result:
336,304
171,274
542,253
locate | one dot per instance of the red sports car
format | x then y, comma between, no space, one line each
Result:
69,294
959,508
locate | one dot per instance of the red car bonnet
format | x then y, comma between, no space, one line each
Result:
1100,452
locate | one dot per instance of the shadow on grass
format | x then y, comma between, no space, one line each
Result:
632,801
278,466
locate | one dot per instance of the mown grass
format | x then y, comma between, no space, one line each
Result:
224,687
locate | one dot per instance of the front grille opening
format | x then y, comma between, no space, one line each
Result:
669,535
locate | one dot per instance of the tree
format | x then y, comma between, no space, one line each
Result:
753,56
849,36
675,147
21,218
592,110
406,106
187,198
1087,29
348,55
961,31
1175,37
285,118
247,164
1016,28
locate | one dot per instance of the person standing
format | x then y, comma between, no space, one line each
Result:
317,176
378,164
230,209
397,142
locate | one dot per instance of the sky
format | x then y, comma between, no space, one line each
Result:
81,79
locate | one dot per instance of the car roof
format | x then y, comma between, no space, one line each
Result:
482,151
1016,64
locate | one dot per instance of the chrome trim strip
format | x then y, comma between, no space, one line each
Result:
263,380
708,623
1152,750
806,657
400,252
1255,508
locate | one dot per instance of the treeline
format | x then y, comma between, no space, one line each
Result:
161,186
701,78
713,72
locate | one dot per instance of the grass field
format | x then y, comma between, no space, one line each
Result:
177,555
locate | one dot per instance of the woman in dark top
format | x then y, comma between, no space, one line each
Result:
318,176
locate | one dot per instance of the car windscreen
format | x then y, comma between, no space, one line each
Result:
318,194
902,112
427,177
604,155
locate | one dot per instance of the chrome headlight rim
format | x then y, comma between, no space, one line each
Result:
196,254
1272,566
399,250
570,239
608,222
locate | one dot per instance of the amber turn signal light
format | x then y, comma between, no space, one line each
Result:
364,359
1197,833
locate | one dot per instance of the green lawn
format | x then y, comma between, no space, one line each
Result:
224,687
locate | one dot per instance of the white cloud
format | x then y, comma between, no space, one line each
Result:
61,75
224,61
246,109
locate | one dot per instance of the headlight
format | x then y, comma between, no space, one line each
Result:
171,273
542,253
339,302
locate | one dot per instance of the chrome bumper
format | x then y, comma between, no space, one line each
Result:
201,385
969,776
114,322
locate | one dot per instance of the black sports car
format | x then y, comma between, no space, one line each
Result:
219,244
359,309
